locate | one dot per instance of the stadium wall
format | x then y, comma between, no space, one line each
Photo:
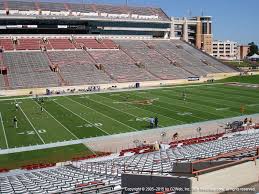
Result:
111,86
146,184
227,178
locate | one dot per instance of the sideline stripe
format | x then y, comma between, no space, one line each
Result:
4,130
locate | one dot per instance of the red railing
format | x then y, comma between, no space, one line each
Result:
138,150
196,140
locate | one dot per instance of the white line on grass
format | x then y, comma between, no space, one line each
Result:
116,108
215,93
201,110
154,113
31,124
112,107
171,110
212,100
235,92
101,113
4,130
58,122
82,118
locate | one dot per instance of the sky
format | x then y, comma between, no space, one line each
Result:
235,20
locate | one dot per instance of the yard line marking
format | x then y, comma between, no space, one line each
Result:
252,105
173,110
4,130
154,112
58,121
217,94
31,124
101,113
210,101
121,110
186,106
218,98
113,107
231,91
81,117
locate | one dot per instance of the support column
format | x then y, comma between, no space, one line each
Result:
185,30
172,29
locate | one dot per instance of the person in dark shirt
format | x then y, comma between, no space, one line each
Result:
156,122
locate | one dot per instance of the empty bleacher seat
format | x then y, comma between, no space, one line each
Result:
78,68
29,69
6,44
60,43
28,44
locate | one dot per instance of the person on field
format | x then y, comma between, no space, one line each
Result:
41,109
152,121
184,95
156,122
15,122
16,106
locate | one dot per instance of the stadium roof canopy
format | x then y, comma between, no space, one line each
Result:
77,9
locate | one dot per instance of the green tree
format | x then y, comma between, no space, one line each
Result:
253,49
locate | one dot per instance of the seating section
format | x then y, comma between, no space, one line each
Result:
162,161
181,58
6,44
45,6
121,67
109,44
105,173
153,61
196,140
211,61
28,70
28,44
78,68
58,180
2,84
103,61
56,44
22,5
94,10
61,43
95,44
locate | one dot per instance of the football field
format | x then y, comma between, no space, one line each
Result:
67,118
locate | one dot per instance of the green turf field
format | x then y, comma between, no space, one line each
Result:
45,156
254,79
84,116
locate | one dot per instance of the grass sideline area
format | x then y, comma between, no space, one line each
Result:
239,64
45,156
251,79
